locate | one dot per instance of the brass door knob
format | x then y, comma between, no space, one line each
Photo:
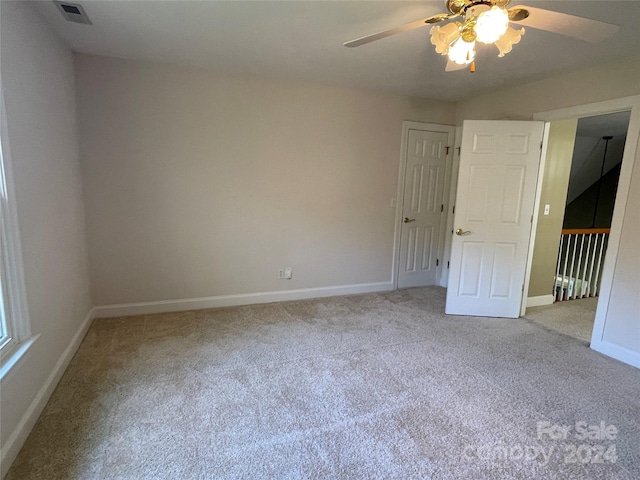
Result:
409,220
462,232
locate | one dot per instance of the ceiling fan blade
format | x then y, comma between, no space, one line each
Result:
402,28
592,31
454,67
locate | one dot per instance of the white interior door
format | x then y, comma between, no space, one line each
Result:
422,206
499,163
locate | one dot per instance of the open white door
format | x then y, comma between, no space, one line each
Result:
499,163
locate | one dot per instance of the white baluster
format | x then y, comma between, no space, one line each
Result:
584,268
556,292
571,270
592,290
564,270
600,254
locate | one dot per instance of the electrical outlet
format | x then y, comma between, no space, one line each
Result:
287,273
281,273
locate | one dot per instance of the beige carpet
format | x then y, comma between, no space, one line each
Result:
572,317
369,386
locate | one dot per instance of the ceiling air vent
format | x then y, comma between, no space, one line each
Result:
73,12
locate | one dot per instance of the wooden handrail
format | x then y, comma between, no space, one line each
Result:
581,231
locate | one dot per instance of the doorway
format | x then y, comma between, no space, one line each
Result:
422,202
614,326
570,246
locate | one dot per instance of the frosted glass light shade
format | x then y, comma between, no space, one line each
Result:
491,25
443,37
462,52
508,40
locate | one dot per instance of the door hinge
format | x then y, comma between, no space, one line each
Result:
459,150
442,207
447,149
531,221
540,144
447,264
523,287
437,262
454,209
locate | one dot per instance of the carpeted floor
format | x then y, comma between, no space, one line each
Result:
368,386
572,317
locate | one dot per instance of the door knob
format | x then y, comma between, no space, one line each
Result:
462,232
409,220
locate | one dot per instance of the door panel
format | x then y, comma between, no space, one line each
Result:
428,262
501,277
417,189
422,205
412,249
471,269
494,203
479,183
512,195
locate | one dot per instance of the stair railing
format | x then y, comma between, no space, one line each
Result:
579,267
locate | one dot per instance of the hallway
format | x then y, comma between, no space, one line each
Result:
574,318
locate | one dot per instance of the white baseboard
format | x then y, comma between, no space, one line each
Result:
17,438
619,353
164,306
540,300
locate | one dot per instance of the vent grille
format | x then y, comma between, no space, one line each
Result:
73,12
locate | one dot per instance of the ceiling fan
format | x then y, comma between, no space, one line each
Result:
488,22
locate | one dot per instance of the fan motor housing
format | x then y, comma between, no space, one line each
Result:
459,7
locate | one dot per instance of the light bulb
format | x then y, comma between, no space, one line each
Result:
492,24
462,52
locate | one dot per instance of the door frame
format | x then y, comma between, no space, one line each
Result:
631,103
428,127
451,210
536,212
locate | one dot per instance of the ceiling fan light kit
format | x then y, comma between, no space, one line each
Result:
484,23
488,22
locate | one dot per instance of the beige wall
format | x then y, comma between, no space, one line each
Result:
554,193
203,185
603,82
38,84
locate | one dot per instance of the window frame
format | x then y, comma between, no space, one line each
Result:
16,326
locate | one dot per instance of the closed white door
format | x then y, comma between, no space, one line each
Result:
499,163
422,208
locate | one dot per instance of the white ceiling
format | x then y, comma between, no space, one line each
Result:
302,40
